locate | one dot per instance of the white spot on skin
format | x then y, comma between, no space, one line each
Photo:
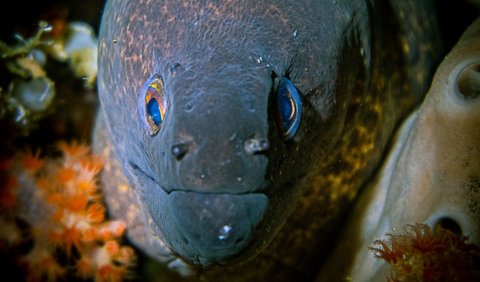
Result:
224,232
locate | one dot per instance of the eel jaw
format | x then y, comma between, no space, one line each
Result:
209,229
202,228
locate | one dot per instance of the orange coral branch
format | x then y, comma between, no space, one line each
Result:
60,201
420,254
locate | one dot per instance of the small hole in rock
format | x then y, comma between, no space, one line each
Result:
449,224
469,81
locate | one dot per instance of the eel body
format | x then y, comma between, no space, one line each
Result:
237,134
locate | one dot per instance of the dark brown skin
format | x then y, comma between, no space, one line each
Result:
359,67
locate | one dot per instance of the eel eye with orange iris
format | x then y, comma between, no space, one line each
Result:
155,105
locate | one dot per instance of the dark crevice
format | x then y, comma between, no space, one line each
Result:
447,223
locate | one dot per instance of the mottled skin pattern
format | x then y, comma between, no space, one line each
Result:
360,67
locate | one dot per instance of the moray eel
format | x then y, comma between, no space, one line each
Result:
432,174
237,134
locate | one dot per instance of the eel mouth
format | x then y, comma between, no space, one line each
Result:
227,189
203,228
210,228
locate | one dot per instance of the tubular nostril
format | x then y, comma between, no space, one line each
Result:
179,151
256,145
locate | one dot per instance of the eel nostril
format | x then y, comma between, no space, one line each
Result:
469,81
256,145
179,150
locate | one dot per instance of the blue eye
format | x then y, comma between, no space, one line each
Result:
288,108
154,111
155,105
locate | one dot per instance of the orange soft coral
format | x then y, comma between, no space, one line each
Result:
60,201
420,254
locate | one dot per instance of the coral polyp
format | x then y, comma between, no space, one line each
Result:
423,254
60,204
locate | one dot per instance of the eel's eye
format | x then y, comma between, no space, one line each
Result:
155,105
287,108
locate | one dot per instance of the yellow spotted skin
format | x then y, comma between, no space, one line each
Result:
404,51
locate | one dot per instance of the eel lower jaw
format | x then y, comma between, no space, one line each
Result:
200,227
211,228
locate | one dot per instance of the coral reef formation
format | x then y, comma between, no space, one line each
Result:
53,222
55,204
423,254
29,90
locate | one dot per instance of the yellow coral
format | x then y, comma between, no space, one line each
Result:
60,201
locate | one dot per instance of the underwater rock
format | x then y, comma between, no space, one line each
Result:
432,175
36,94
